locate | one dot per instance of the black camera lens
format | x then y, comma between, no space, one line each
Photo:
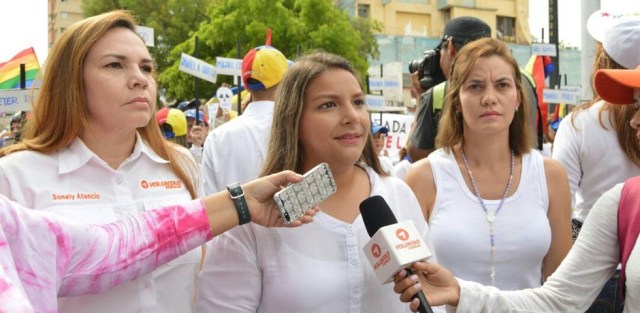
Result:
414,65
428,69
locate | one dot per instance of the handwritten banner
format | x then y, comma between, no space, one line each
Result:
399,126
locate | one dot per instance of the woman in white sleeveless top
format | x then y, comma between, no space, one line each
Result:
498,212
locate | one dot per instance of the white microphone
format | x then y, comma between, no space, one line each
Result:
394,245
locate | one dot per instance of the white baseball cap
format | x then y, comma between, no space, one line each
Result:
601,21
622,43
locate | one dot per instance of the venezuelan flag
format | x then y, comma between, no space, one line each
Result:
10,70
559,113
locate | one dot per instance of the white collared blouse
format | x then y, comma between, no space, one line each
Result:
74,182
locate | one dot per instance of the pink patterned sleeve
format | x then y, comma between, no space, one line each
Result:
11,297
99,257
43,256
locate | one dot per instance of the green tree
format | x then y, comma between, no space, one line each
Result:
297,26
173,21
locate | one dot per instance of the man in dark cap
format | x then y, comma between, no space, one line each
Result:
457,32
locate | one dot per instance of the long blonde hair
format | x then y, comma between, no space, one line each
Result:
450,130
619,115
284,151
60,112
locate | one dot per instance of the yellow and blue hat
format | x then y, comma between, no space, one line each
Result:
173,122
263,67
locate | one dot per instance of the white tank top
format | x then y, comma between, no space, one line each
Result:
460,231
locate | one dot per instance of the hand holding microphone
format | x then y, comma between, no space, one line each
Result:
436,281
393,246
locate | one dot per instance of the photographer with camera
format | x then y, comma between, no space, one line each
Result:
432,70
431,73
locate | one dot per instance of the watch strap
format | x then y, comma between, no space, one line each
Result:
237,194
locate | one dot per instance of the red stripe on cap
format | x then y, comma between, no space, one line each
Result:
247,65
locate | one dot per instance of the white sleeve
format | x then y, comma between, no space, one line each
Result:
400,169
8,190
231,280
208,172
194,168
577,281
196,152
566,150
476,298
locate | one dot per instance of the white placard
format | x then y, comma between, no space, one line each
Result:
544,49
374,71
147,35
392,75
393,88
14,100
387,84
376,83
197,68
374,101
229,66
561,96
213,113
399,126
571,88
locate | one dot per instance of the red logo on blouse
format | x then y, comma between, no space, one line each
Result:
164,184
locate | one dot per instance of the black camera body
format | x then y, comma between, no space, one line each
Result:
428,68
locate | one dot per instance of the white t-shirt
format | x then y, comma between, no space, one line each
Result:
316,268
387,164
235,151
400,170
76,183
592,157
574,286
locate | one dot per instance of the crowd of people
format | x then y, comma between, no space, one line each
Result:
140,209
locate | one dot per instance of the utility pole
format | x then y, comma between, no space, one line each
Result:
587,50
196,85
554,79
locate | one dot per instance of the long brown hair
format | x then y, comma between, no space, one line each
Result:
60,112
284,151
450,130
619,115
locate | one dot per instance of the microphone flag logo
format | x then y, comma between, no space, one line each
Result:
375,250
402,234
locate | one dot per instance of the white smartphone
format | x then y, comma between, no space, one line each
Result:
296,199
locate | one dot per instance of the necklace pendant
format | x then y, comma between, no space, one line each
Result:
491,217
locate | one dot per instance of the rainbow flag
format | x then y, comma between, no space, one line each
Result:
10,70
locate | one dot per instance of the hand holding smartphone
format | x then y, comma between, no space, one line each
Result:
296,199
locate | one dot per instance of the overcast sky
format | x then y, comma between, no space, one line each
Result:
23,23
